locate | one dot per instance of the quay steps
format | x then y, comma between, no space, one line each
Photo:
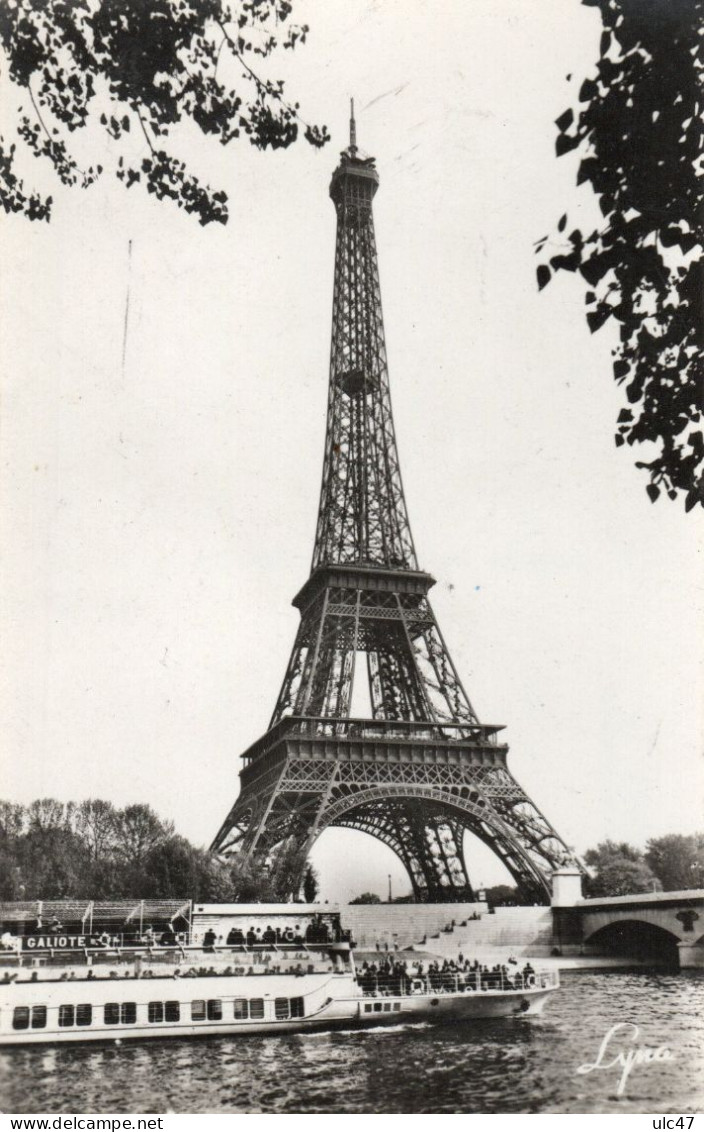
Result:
518,931
395,926
446,929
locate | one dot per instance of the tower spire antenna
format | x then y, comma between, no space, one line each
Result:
353,129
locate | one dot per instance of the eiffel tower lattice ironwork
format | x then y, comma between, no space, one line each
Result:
422,769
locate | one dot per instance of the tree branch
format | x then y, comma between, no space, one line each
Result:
144,129
42,123
263,86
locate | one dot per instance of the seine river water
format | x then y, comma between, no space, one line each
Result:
511,1065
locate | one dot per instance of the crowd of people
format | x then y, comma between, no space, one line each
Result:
317,931
393,976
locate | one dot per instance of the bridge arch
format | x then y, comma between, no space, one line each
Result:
636,938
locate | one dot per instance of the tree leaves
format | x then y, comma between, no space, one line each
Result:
158,62
638,127
168,178
544,276
598,317
565,120
13,195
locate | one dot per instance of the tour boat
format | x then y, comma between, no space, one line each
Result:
275,976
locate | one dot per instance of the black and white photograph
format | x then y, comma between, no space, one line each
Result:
351,715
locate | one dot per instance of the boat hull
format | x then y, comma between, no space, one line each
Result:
336,1013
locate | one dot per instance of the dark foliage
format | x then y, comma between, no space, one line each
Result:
367,898
53,850
501,894
618,869
145,65
638,130
310,884
677,860
244,882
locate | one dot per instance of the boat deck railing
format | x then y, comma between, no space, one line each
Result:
123,945
30,944
379,986
184,955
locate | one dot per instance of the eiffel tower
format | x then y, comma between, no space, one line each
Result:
422,769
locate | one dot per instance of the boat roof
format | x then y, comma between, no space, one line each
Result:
104,911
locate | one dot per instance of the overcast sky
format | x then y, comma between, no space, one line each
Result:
158,512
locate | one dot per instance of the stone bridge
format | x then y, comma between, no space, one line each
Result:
667,926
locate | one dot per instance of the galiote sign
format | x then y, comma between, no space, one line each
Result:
40,942
62,941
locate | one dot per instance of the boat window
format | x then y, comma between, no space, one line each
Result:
156,1012
367,1008
281,1008
397,1006
20,1018
128,1013
172,1011
38,1017
66,1015
297,1008
377,1007
84,1014
198,1010
256,1008
111,1013
214,1009
241,1008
